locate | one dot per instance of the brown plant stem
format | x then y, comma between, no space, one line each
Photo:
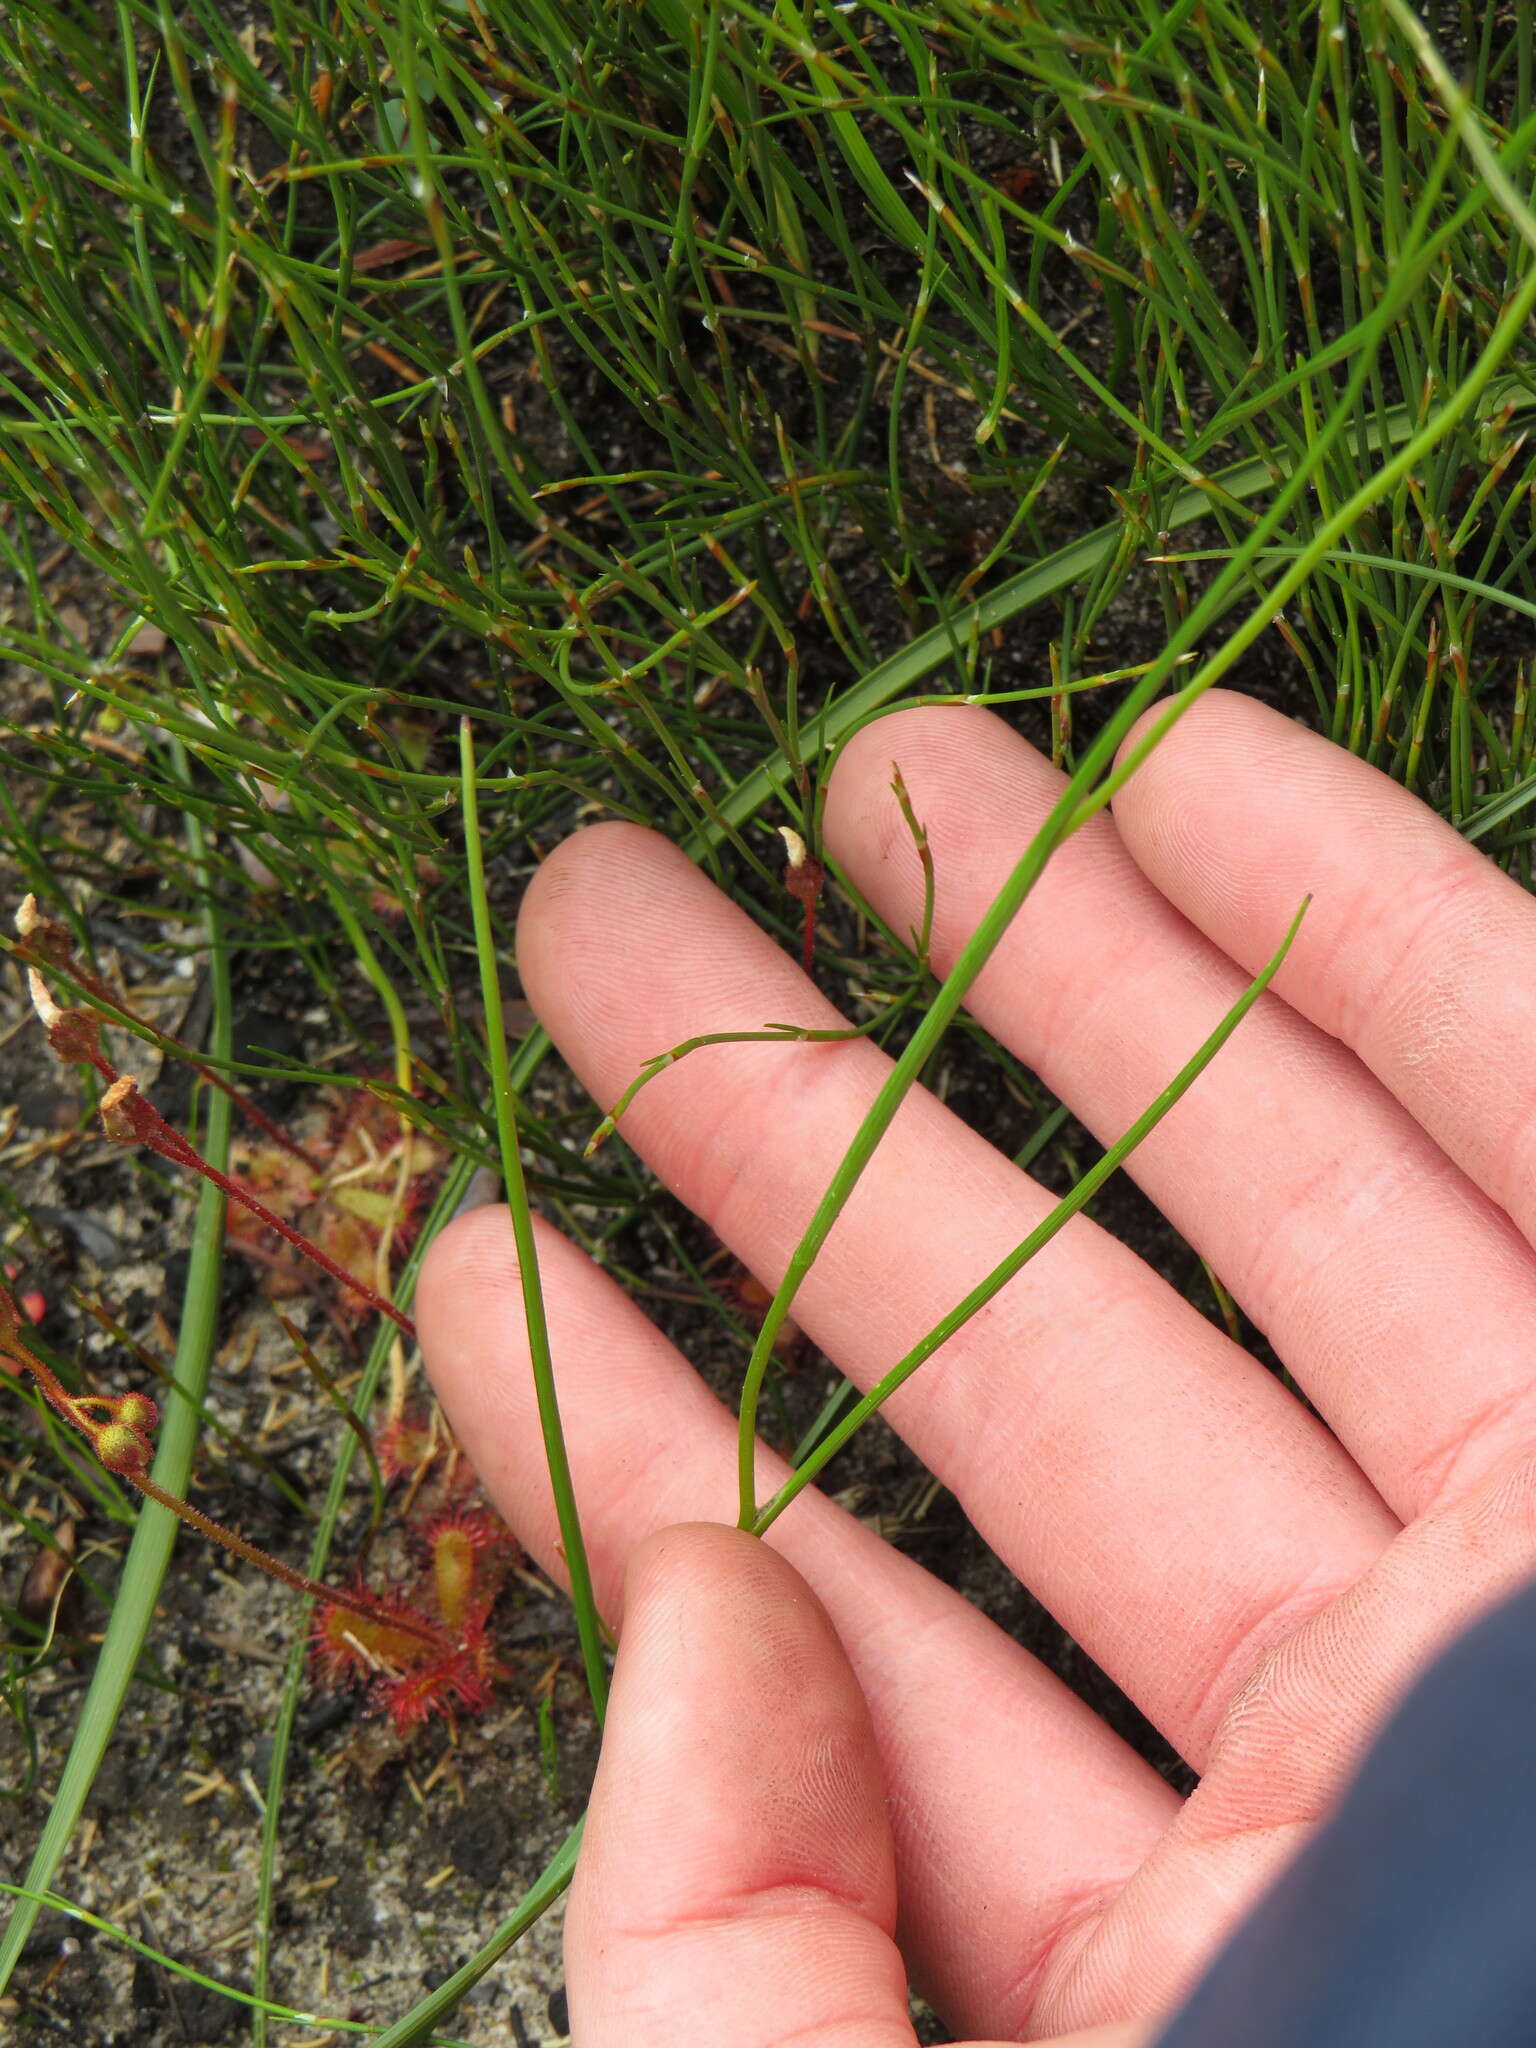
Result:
803,878
130,1118
47,946
355,1602
74,1409
47,1381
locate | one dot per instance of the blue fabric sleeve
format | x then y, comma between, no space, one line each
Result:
1409,1921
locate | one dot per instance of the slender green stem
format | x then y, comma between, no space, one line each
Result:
588,1621
384,988
415,2027
261,2009
771,1034
1086,1188
922,937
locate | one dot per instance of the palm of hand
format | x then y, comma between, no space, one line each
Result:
1355,1166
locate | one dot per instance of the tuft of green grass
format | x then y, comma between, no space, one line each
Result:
668,390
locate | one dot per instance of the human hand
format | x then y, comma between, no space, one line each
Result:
1356,1165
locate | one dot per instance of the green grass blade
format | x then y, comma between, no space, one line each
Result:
260,2008
1073,563
1079,1197
588,1622
414,2028
154,1536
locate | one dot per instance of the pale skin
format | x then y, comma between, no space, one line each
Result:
823,1772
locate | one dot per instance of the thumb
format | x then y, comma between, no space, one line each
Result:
736,1883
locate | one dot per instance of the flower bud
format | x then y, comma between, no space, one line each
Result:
136,1412
122,1449
122,1112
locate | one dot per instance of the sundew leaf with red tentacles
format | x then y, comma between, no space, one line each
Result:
466,1547
462,1680
409,1679
406,1446
374,1180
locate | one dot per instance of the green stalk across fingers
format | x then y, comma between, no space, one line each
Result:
588,1622
810,1466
